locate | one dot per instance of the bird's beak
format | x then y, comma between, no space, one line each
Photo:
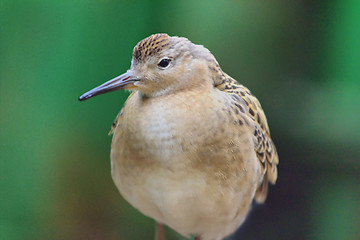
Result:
125,80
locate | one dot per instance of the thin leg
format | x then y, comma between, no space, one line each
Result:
160,232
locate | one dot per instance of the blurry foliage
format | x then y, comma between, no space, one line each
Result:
301,59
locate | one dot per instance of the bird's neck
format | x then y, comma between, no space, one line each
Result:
179,88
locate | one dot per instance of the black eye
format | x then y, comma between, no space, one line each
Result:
164,62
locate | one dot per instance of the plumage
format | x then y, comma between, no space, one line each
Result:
191,147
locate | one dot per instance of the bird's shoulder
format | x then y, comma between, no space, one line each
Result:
244,101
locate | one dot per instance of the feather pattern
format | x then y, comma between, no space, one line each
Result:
264,146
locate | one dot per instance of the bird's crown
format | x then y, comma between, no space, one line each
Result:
150,46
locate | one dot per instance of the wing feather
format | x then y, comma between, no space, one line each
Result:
264,146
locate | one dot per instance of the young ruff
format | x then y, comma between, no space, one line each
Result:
191,148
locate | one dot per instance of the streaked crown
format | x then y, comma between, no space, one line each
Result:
150,46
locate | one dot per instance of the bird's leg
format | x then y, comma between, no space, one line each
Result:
160,232
197,238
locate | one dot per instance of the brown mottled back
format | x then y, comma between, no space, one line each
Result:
150,46
264,146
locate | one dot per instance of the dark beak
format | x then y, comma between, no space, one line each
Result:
125,80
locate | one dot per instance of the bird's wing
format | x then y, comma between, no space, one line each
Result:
264,147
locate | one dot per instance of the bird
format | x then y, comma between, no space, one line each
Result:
191,147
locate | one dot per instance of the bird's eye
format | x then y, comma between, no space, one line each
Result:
164,63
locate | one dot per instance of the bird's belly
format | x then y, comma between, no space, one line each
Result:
187,199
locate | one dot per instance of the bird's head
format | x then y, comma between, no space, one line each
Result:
161,65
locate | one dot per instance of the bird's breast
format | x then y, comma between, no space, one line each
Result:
171,126
178,158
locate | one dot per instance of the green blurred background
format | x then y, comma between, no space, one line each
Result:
301,58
